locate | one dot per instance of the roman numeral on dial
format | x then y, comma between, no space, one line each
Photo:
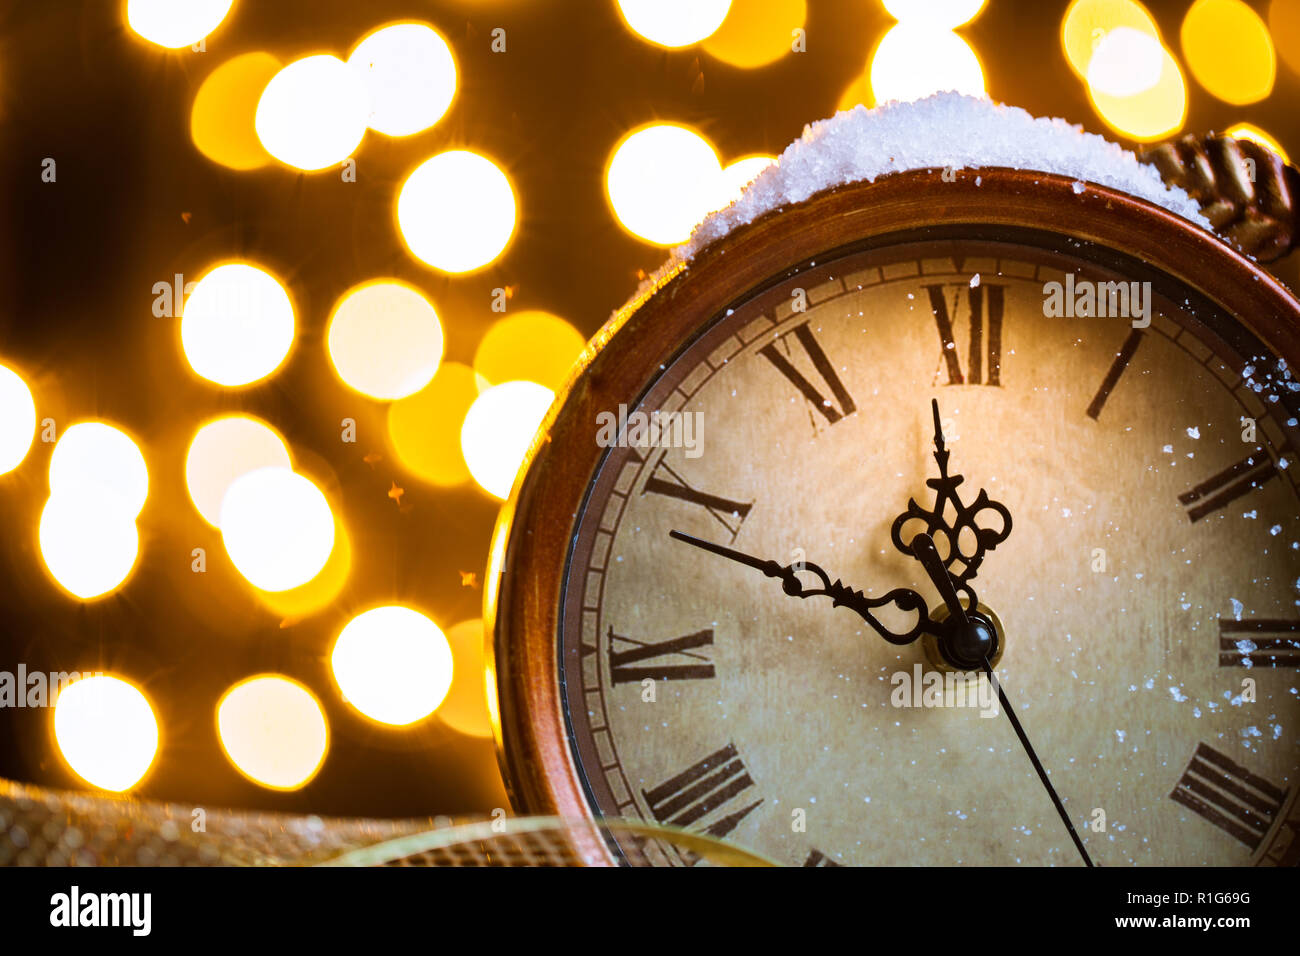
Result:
1228,485
638,662
813,350
1228,795
1117,367
1259,642
665,481
985,303
718,784
818,858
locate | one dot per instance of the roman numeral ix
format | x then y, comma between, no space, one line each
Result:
641,660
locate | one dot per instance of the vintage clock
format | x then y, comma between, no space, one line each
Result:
893,440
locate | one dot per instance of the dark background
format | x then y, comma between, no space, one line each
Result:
79,258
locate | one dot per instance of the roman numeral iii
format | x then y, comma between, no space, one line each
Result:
1228,795
717,784
1259,642
813,351
641,659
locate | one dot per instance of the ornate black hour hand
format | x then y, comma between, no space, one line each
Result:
966,540
841,595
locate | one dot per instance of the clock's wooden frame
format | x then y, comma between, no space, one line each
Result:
531,545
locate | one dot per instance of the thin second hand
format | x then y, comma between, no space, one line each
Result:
1033,758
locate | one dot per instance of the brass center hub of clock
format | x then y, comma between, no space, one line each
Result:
964,648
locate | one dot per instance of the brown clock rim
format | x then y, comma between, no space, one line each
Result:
531,544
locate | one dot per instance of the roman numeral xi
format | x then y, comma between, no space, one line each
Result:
1228,795
813,350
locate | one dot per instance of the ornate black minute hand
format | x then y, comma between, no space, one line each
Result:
951,522
841,595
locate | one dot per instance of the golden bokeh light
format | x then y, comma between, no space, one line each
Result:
313,113
277,528
425,428
1126,62
736,176
410,74
466,708
222,451
392,664
106,731
237,325
97,455
1087,22
457,211
674,23
175,23
1228,49
945,14
532,346
273,731
1284,24
88,541
1256,135
1150,115
222,118
320,591
914,60
661,181
757,32
384,339
17,419
499,430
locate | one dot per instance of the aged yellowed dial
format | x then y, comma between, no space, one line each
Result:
1147,592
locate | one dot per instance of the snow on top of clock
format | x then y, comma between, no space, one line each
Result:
943,130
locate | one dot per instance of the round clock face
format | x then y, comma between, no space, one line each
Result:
1139,439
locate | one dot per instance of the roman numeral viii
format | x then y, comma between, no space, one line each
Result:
1259,642
1228,485
643,660
813,350
818,858
1228,795
985,305
719,782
